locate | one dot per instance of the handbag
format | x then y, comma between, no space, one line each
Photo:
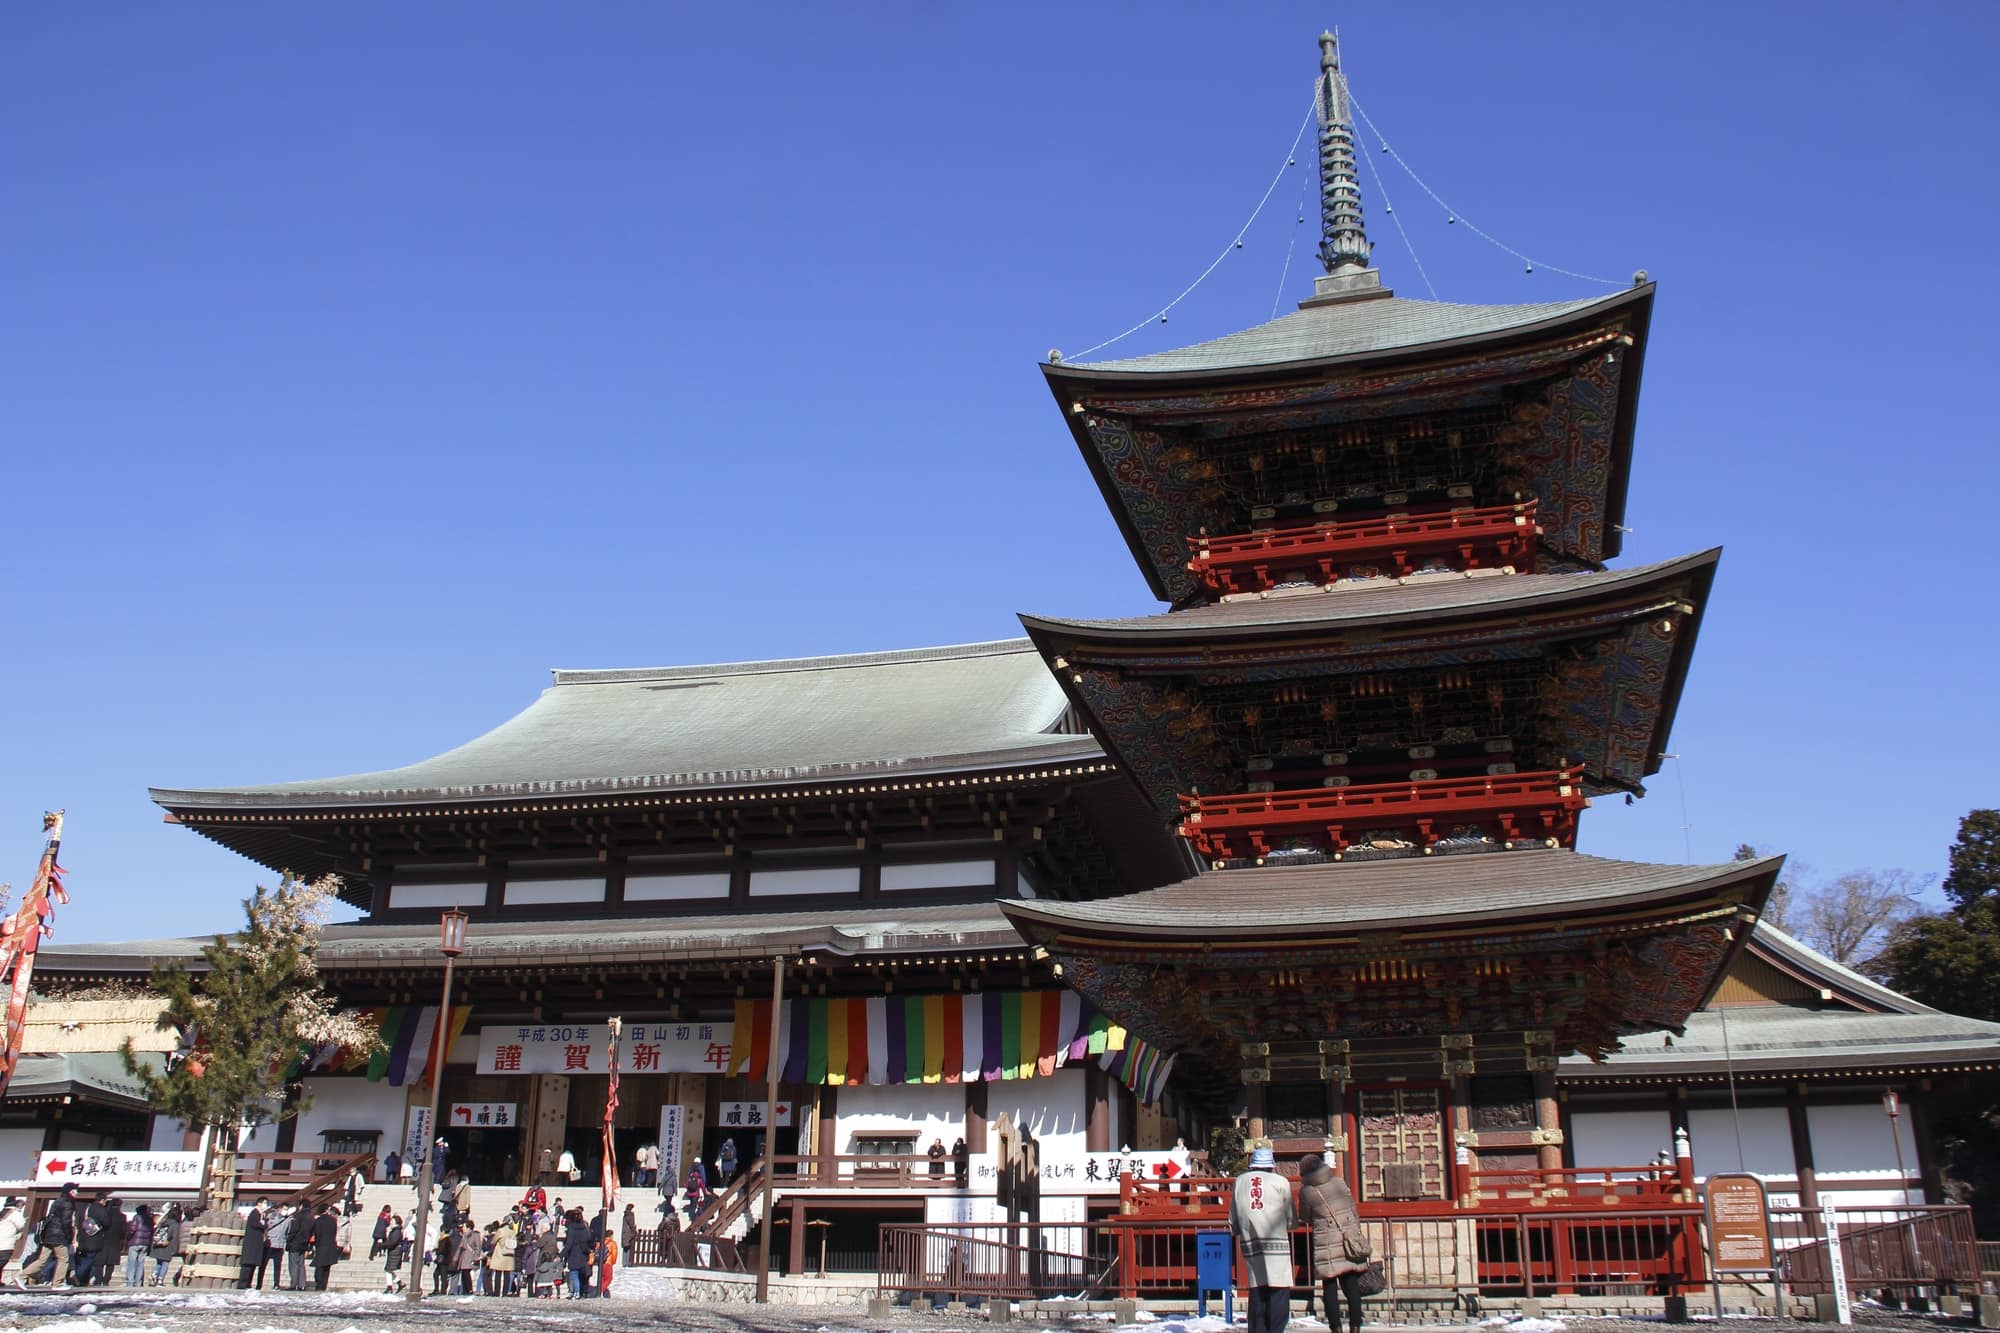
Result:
1355,1246
1372,1280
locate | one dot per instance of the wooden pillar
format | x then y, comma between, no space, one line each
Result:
1253,1117
828,1139
975,1117
1677,1116
1097,1098
1802,1152
1548,1128
1461,1132
1916,1101
795,1262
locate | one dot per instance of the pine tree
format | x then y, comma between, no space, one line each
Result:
246,1017
1951,960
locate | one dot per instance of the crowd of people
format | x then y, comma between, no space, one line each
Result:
80,1242
539,1249
287,1240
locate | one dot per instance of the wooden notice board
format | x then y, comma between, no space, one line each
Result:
1739,1224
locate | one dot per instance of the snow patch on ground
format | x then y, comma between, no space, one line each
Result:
1525,1325
1175,1324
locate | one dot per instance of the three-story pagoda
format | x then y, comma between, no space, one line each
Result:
1395,669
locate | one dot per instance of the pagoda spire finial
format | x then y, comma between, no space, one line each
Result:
1343,241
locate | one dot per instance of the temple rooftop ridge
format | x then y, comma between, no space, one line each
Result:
897,713
1406,895
1403,601
1322,330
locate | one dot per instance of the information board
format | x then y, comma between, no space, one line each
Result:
1739,1224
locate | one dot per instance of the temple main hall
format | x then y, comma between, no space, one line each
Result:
1295,857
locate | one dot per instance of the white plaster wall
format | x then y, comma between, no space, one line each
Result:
1767,1141
352,1103
20,1150
934,1110
1620,1138
437,895
169,1135
938,875
1855,1139
1052,1107
1852,1141
825,879
676,888
524,892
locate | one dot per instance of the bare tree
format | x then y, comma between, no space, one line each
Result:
1781,909
1849,917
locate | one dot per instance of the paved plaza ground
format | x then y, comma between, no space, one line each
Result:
352,1312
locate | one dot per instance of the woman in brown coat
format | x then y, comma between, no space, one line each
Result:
1327,1206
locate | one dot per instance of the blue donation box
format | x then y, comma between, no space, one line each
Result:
1215,1270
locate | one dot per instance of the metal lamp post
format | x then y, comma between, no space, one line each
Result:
451,943
1891,1104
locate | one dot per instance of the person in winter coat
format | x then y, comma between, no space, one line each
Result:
550,1267
325,1242
576,1252
725,1163
138,1242
100,1240
378,1240
502,1261
567,1168
250,1258
1261,1216
57,1235
392,1167
628,1229
394,1246
606,1256
277,1234
1339,1245
444,1257
166,1243
298,1236
13,1225
697,1189
466,1258
528,1260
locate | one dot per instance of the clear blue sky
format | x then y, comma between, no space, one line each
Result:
360,363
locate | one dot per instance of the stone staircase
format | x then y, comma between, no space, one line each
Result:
360,1273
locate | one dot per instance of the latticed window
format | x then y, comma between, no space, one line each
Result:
1402,1144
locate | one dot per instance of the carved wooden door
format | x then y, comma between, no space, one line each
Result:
1402,1150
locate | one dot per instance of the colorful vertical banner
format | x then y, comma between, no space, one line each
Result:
21,936
609,1177
938,1039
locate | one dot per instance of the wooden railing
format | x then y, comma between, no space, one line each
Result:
1515,808
872,1171
294,1177
1604,1252
1895,1248
1488,537
1583,1187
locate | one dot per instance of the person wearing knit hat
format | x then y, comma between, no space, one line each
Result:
1261,1217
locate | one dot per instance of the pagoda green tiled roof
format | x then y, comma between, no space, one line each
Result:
1350,329
819,719
1401,601
1495,887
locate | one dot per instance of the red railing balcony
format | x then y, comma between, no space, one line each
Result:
1513,809
1399,543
